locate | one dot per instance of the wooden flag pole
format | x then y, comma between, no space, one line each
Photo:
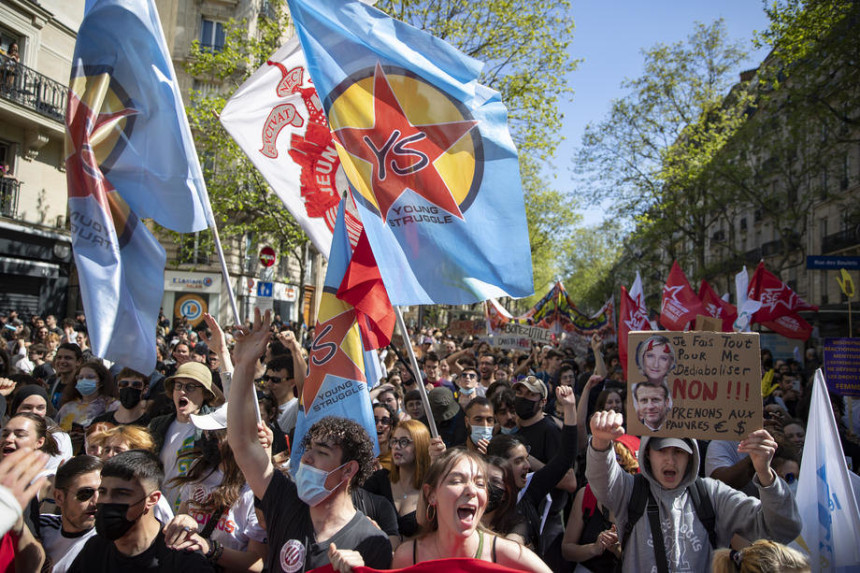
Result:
414,361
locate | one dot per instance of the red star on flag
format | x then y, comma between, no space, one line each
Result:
86,128
402,155
327,354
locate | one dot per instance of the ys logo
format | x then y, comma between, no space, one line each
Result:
396,132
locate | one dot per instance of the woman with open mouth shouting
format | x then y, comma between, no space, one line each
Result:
453,500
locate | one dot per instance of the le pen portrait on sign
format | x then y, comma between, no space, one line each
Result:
704,385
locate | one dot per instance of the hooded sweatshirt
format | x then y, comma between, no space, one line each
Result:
774,516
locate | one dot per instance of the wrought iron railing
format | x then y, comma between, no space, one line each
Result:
31,89
842,240
9,188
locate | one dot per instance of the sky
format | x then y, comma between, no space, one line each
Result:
610,36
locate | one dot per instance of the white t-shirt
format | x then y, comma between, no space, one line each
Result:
64,444
178,440
237,526
61,547
288,413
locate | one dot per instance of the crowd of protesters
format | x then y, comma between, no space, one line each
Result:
108,469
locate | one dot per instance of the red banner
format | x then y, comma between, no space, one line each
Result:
680,303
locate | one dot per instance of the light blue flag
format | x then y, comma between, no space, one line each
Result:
336,383
427,150
128,155
151,160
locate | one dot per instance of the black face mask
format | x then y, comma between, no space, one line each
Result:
129,397
495,496
525,408
111,522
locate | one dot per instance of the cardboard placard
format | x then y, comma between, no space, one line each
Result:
703,385
842,365
475,327
708,323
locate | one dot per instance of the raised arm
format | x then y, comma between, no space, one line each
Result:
582,410
241,414
300,366
553,474
599,363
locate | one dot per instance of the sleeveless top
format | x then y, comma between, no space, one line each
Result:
477,553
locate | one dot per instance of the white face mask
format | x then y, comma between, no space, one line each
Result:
310,483
481,433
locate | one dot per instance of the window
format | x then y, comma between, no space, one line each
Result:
211,36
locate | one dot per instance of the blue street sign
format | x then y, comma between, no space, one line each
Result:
832,263
265,289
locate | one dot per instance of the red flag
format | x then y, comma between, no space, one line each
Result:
680,303
717,307
776,298
790,326
362,288
630,317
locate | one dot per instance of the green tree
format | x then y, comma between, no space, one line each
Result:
816,44
648,158
591,255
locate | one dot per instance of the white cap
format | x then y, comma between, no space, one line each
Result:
215,420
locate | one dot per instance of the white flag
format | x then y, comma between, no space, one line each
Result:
825,498
746,307
277,119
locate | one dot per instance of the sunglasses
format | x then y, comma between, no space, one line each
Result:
399,442
469,375
386,421
85,494
274,379
136,384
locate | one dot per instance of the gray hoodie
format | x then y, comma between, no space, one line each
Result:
774,517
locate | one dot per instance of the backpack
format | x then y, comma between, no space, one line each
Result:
701,505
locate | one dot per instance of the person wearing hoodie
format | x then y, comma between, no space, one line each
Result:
669,466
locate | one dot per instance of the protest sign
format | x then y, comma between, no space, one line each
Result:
534,333
508,342
842,365
475,327
703,385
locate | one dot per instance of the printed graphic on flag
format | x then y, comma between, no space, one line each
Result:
431,150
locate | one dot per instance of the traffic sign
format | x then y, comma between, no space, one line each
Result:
267,256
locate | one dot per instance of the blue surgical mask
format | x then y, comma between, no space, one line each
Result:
467,391
86,386
509,431
310,483
481,433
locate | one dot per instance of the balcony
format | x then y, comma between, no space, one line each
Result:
29,88
9,188
841,240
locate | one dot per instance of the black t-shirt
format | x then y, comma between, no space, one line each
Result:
544,439
99,555
292,542
377,508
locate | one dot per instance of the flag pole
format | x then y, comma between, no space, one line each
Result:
414,361
230,294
